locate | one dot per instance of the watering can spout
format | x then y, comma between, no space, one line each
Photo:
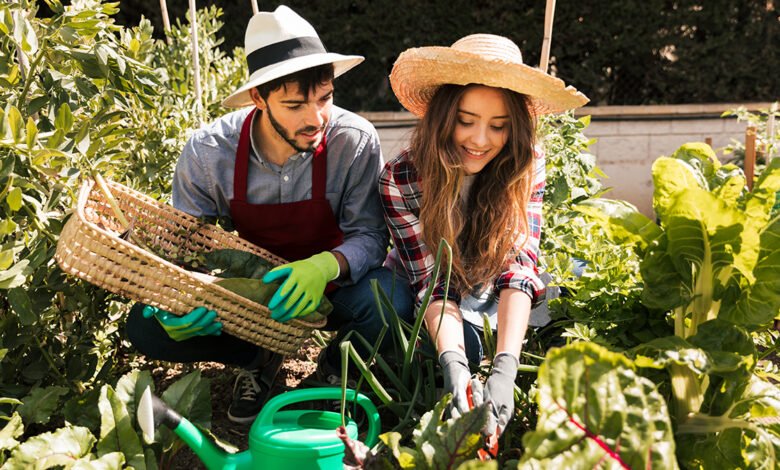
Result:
153,412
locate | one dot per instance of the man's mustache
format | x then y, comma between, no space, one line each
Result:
310,130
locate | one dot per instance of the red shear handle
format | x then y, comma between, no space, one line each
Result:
490,451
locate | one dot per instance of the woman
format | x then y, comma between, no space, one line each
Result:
474,177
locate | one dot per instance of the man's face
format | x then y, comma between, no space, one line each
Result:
299,121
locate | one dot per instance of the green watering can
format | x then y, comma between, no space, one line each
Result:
292,439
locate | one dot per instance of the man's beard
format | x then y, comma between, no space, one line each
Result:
291,139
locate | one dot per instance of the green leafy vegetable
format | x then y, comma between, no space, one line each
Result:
596,411
243,272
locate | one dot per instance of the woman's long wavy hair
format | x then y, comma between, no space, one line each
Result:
482,237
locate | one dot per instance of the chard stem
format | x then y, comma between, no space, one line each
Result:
686,390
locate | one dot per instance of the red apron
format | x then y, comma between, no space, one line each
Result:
294,230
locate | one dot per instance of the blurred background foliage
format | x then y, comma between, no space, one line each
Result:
626,52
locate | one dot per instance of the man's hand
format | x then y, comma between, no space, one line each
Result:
455,368
304,284
500,392
199,322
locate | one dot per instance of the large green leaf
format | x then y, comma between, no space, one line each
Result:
259,292
664,288
41,403
729,346
190,396
110,461
670,176
450,444
758,209
701,226
13,428
82,410
728,184
747,436
770,237
457,441
229,263
130,387
595,411
662,352
700,157
242,272
758,303
116,430
21,305
61,447
622,222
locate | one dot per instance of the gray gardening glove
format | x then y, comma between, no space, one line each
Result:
500,392
457,376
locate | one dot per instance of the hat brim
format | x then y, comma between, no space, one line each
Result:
341,64
419,72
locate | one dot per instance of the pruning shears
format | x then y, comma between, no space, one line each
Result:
490,450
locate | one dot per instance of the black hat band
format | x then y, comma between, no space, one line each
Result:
281,51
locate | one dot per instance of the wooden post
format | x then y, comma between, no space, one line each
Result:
166,21
255,9
750,156
708,141
770,133
195,62
549,13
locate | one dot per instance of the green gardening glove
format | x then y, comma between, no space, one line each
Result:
304,284
199,322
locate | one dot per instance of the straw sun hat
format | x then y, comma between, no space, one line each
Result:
280,43
484,59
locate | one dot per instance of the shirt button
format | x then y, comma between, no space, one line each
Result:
286,178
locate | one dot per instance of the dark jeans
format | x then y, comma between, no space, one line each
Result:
473,335
354,309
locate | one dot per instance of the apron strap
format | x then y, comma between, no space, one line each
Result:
319,171
319,174
241,170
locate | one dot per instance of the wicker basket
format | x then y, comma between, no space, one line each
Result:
91,249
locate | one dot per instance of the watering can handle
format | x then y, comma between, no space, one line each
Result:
278,402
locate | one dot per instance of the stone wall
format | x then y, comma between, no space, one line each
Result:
629,139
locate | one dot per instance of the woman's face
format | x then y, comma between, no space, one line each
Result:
482,127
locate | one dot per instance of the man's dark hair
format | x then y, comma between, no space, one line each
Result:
307,80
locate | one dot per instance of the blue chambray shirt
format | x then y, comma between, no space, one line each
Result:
203,180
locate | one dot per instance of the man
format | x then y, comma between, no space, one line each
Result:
297,176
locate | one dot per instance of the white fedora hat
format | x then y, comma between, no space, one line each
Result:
484,59
279,44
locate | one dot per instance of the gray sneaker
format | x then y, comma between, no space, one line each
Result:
251,390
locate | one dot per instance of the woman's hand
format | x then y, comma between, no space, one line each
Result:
500,393
457,376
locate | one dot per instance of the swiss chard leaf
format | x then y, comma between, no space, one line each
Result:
52,449
441,444
758,303
242,272
621,221
702,159
230,263
670,176
596,411
746,433
258,291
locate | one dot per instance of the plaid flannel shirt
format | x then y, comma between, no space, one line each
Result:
399,187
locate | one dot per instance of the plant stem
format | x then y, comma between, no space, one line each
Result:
48,358
31,72
686,390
